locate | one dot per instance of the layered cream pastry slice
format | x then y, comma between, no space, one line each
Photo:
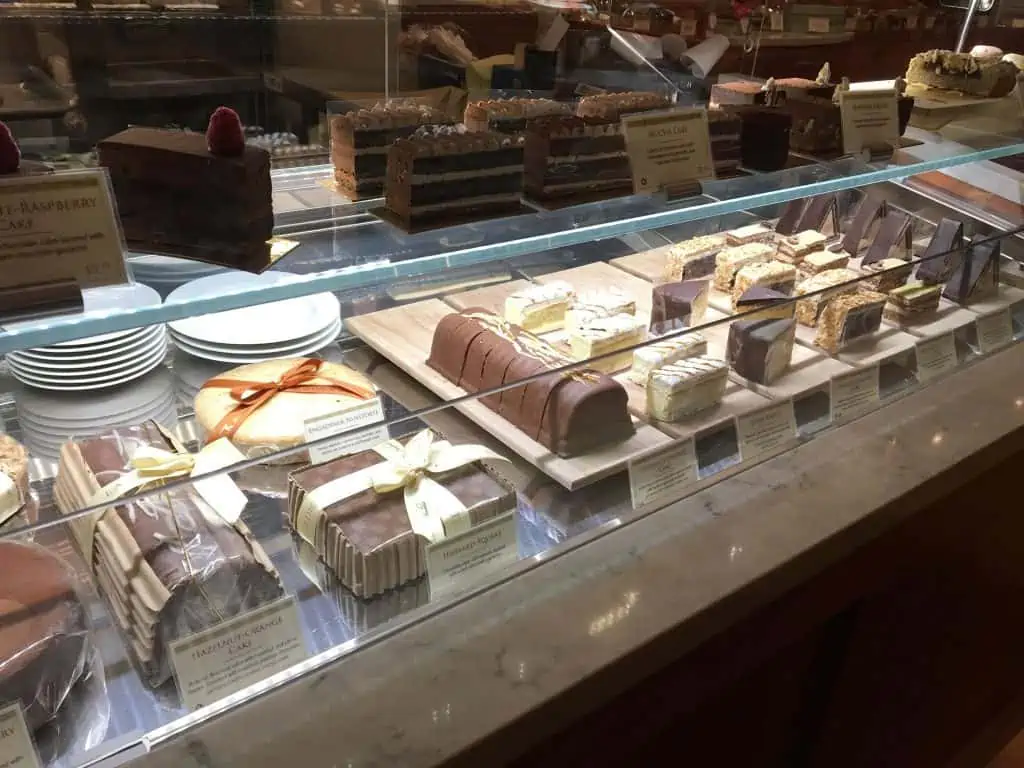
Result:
795,248
752,233
660,353
693,258
686,387
607,335
822,261
776,275
822,288
539,308
732,260
596,305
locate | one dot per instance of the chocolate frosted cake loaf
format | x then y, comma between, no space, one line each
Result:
194,195
509,115
817,125
360,142
973,75
569,413
443,172
168,565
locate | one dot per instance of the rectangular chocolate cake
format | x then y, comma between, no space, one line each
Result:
678,305
509,115
167,564
817,125
175,196
367,539
724,128
760,350
440,172
569,413
360,142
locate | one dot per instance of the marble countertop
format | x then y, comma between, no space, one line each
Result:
439,688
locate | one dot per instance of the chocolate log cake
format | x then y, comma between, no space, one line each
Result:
168,565
186,194
570,413
440,172
360,142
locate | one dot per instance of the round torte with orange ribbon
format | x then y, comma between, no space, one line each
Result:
263,408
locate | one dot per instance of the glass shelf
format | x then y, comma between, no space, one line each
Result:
343,247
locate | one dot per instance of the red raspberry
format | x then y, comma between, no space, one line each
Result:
10,155
224,135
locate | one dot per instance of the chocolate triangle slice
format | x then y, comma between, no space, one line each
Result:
822,214
790,217
943,254
764,303
678,305
894,234
760,350
870,212
977,276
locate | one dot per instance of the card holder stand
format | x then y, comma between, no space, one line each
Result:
41,300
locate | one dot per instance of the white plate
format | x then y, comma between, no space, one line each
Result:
84,384
263,350
102,348
242,359
278,322
135,349
167,416
99,302
46,424
93,405
30,368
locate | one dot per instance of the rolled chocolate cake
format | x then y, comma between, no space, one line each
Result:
168,565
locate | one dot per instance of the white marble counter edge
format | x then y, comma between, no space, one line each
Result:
439,687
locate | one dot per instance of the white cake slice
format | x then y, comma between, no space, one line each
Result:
659,353
539,308
606,335
595,305
686,387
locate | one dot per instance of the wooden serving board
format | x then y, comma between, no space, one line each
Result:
934,108
648,265
404,334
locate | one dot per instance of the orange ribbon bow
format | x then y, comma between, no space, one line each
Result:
253,395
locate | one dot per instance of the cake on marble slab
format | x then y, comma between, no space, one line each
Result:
686,387
760,350
540,308
589,306
848,318
678,305
915,303
604,336
776,275
761,303
819,289
731,260
693,258
665,351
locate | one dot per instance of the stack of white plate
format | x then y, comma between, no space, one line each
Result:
165,273
289,328
95,362
49,419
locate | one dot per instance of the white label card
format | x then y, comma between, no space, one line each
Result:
668,148
935,356
766,429
869,119
776,20
16,747
818,25
237,653
854,393
663,475
468,558
342,424
994,331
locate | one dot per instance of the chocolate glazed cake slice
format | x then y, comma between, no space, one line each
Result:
943,254
569,413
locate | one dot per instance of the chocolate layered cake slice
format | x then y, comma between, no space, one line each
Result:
360,142
206,197
509,115
724,128
943,253
440,173
615,106
817,127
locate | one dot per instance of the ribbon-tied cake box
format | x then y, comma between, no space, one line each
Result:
366,535
168,565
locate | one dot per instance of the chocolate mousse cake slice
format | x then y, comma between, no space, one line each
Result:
678,305
443,173
977,275
943,253
205,197
760,350
894,239
865,223
360,142
509,115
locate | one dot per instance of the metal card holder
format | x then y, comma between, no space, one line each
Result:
41,300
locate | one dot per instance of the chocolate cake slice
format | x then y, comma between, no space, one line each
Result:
977,275
790,218
176,195
678,305
760,350
894,239
821,214
943,254
509,115
569,413
869,213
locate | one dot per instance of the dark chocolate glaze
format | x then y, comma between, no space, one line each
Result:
870,209
749,344
943,254
894,227
790,217
672,304
817,211
981,257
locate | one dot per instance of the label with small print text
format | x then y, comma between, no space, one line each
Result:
237,653
668,149
16,747
664,475
467,559
854,393
994,331
869,119
342,425
766,430
935,356
818,25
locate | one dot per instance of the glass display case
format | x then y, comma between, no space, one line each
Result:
235,466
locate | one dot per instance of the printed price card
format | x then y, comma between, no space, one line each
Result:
343,424
818,25
237,653
766,429
668,148
16,747
469,558
994,331
869,119
854,393
60,226
663,476
935,356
